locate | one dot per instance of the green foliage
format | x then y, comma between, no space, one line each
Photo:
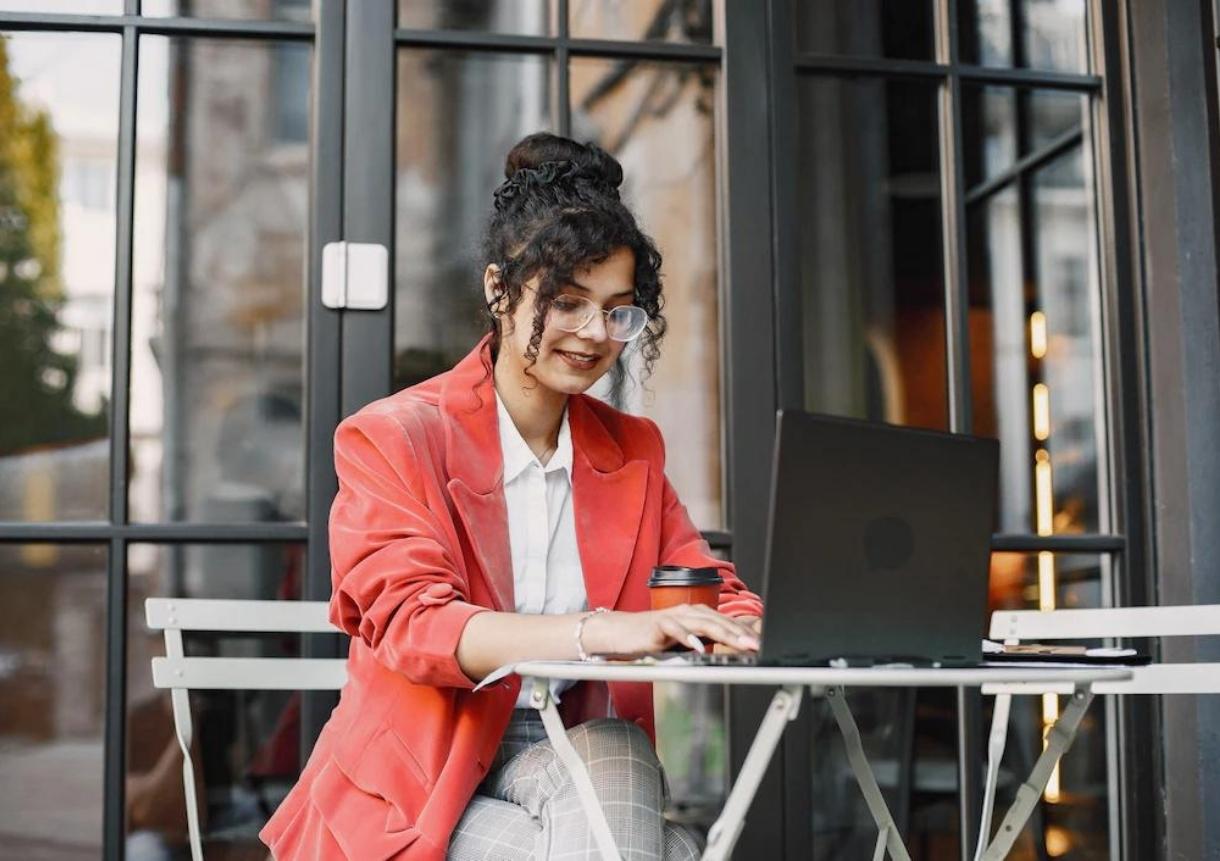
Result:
36,381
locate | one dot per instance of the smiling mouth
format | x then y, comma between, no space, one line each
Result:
579,360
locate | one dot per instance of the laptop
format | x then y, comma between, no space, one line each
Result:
878,545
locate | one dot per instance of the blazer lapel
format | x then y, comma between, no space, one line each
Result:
608,494
476,469
485,519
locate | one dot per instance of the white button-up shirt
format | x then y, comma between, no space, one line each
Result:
547,574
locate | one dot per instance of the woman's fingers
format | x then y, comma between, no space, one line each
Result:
703,620
738,634
679,633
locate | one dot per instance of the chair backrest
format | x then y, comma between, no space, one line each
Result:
1200,620
182,674
175,670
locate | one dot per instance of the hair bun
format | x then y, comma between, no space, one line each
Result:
544,160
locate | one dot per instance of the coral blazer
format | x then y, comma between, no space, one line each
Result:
419,544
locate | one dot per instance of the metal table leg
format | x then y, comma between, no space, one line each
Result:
727,828
540,698
888,836
1058,740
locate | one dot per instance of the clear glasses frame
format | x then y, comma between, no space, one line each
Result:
572,313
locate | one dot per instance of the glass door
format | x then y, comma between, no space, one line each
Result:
168,177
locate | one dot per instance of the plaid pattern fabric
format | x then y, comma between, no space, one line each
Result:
527,807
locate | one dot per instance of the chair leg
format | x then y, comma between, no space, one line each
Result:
995,752
184,732
1058,740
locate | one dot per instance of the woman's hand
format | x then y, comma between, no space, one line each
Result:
755,625
627,633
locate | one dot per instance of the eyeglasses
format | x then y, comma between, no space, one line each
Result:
572,313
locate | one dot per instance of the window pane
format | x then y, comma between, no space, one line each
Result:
523,17
641,20
247,742
448,162
657,120
59,113
900,29
279,10
222,196
1034,284
1075,818
53,690
869,236
1039,34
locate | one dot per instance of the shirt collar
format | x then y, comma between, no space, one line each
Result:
517,454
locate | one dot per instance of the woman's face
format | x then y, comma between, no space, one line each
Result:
568,362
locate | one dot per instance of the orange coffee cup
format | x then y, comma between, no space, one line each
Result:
671,585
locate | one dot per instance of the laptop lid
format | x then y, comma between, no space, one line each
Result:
879,542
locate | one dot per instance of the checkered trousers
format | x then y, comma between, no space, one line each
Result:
527,806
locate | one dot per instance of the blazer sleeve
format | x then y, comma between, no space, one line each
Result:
395,583
683,544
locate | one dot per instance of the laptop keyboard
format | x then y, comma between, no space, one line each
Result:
726,659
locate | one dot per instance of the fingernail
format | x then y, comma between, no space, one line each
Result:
695,643
748,641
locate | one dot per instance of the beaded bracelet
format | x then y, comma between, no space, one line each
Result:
581,654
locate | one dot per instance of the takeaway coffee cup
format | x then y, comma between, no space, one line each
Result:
671,585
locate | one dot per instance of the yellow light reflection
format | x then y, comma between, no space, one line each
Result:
1046,580
1042,411
1037,334
1043,499
1050,714
1058,841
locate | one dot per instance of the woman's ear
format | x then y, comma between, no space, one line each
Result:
493,290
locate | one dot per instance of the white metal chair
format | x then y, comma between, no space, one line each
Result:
182,674
1015,626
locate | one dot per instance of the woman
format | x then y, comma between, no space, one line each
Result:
496,513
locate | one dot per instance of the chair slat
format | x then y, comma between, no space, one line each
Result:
250,674
1152,679
1199,620
204,614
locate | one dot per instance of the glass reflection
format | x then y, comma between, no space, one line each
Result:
657,120
870,244
262,10
52,685
1033,277
692,744
222,174
247,742
58,157
448,163
875,28
1073,821
523,17
686,21
1038,34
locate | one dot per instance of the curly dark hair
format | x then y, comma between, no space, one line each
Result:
558,211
